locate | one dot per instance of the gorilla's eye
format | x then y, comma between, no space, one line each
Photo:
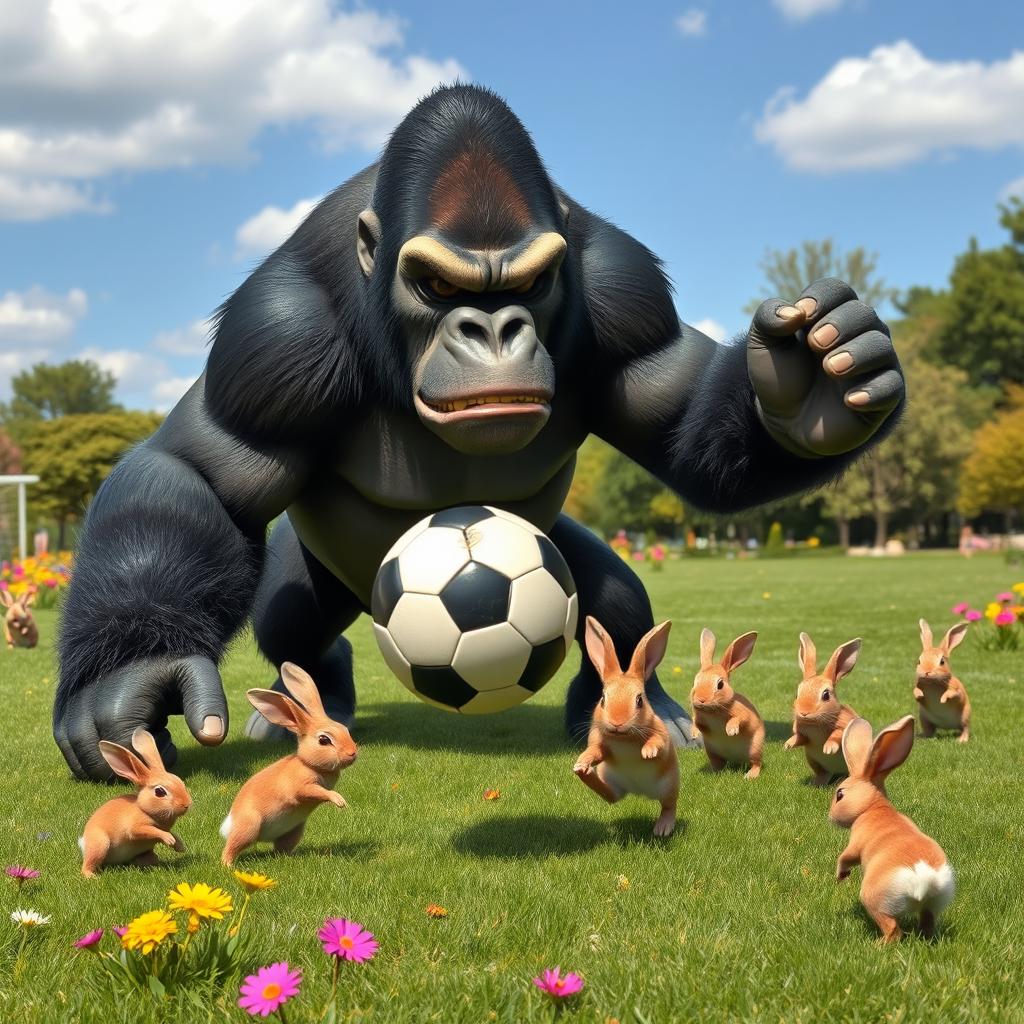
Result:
160,791
441,288
825,695
719,683
839,795
324,740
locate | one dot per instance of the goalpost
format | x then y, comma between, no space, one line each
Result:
7,514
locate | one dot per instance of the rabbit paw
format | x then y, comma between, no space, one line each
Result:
584,766
650,751
831,747
790,743
842,874
732,728
918,693
339,801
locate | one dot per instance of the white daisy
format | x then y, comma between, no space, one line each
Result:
29,918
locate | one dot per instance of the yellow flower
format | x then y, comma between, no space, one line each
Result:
148,930
1018,588
435,910
200,901
492,794
767,595
677,670
992,609
622,883
254,881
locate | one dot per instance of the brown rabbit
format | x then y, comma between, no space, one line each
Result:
274,804
20,629
125,830
818,717
942,697
905,871
629,750
732,729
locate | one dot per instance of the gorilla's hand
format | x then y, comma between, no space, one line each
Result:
143,693
823,369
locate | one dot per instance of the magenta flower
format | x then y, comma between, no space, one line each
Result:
972,615
119,931
347,940
1005,618
22,874
557,986
959,609
268,989
90,939
1005,597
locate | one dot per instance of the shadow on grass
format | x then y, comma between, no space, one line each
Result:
233,759
910,926
362,850
778,732
637,831
532,835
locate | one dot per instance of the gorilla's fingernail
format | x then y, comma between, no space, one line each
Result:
825,335
213,725
788,312
840,362
808,305
858,398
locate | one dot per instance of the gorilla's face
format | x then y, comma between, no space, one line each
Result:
474,323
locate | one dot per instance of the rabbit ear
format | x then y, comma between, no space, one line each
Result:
6,598
279,709
926,634
144,743
300,684
954,636
707,648
124,762
650,651
739,651
891,748
601,649
857,746
844,657
29,598
807,657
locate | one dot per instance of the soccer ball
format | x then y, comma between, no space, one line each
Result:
474,609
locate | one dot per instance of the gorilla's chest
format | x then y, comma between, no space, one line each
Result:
390,472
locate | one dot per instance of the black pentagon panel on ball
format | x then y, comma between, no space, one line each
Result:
387,589
442,684
461,517
555,564
477,597
543,664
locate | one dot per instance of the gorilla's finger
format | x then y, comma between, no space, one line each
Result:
60,734
879,393
202,699
774,321
842,324
865,353
85,742
823,296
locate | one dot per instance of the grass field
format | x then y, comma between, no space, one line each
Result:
736,918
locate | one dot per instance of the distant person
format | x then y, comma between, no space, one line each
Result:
41,542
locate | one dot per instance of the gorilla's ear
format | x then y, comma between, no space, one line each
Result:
367,239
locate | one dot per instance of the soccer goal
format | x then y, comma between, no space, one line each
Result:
14,516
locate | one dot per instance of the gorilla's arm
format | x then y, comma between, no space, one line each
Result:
164,576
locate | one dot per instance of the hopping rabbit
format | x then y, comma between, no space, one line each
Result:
20,629
941,696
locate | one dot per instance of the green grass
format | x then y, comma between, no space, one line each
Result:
737,917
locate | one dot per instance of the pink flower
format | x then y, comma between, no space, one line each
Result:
959,609
972,615
119,931
558,987
1005,597
90,939
347,940
1006,618
22,874
269,988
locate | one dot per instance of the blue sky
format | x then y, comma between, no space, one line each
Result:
151,152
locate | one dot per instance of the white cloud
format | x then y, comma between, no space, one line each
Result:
1014,188
801,10
24,200
191,340
896,106
37,317
89,88
166,393
144,380
693,22
712,328
267,229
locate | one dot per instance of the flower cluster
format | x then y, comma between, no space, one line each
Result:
1005,611
44,576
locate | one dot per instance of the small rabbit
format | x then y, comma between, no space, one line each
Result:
125,830
905,871
275,803
732,729
942,697
818,717
629,750
20,629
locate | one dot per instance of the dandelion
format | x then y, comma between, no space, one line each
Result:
492,794
436,910
200,902
992,609
972,615
90,940
21,874
622,883
148,930
767,595
1018,588
266,991
558,986
960,608
677,670
347,940
252,882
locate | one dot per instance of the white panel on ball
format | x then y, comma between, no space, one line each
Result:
393,656
571,621
411,534
513,518
492,658
490,701
432,559
504,546
422,630
538,606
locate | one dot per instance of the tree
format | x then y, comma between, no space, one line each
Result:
10,455
993,476
844,501
983,329
73,455
46,392
789,272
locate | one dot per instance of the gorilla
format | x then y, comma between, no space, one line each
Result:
444,329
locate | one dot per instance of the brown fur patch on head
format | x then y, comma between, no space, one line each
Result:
476,198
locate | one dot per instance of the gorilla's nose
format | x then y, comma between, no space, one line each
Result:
508,332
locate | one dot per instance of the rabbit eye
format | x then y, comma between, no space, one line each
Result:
719,683
825,695
324,740
602,700
160,791
639,701
839,795
942,661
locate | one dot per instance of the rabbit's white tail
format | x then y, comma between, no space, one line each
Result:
921,887
225,827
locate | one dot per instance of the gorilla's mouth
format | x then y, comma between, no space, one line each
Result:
485,405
